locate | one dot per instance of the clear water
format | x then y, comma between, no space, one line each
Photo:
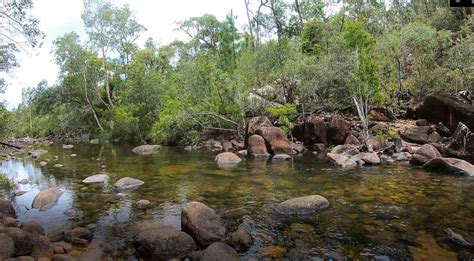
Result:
389,212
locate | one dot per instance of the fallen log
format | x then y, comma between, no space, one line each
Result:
10,145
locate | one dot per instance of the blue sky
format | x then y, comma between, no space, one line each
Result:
58,17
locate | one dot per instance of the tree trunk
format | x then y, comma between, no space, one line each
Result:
249,19
86,94
297,5
106,78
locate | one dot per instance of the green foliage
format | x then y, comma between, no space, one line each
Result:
390,134
311,60
283,115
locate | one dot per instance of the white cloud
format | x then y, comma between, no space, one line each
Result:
58,17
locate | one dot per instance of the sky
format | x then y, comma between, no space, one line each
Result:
58,17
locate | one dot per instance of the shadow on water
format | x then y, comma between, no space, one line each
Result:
387,212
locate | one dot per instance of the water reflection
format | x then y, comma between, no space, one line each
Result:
390,211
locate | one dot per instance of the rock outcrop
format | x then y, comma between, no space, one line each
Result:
450,165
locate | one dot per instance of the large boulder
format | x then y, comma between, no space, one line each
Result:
418,134
218,251
461,143
342,161
42,248
47,199
451,165
6,208
146,149
445,109
315,131
227,157
370,158
345,149
7,246
424,154
99,178
256,146
376,143
78,232
303,205
128,183
163,243
255,123
275,139
241,240
339,129
202,223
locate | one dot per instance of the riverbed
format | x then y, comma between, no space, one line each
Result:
385,212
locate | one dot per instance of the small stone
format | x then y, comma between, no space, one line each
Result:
73,155
58,250
128,183
43,163
58,165
67,146
24,181
94,141
281,157
143,204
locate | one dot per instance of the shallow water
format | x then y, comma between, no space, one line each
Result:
389,212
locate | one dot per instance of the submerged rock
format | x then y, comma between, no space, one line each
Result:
94,141
202,223
227,157
37,153
47,199
146,149
457,237
273,252
43,163
128,183
99,178
452,165
241,240
281,157
303,205
219,251
163,243
143,204
33,228
342,161
58,165
67,146
78,232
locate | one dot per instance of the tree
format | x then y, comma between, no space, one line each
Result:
18,29
366,82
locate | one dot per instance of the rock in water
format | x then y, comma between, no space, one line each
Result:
256,146
218,251
47,199
143,204
453,165
6,208
146,149
128,183
37,153
94,141
227,157
68,146
281,157
315,131
202,223
303,205
99,178
455,236
241,240
7,246
276,139
342,160
163,243
33,228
